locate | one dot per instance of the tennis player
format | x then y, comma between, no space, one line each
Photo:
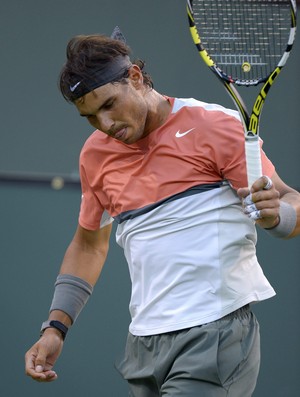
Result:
171,172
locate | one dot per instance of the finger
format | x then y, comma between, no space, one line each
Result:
269,183
250,208
266,198
248,200
255,215
46,376
243,192
39,374
29,361
263,183
36,362
40,363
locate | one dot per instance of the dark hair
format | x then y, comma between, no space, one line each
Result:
89,55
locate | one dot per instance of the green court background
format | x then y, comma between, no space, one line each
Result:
41,133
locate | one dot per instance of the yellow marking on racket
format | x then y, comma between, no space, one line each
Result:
197,41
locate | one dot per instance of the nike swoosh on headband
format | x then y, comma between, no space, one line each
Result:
73,88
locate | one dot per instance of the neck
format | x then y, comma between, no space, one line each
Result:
158,110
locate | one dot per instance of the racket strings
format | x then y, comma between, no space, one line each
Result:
245,38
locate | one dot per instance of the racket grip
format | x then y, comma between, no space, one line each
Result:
253,160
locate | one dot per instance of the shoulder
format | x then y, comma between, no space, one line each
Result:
213,120
96,145
195,105
93,141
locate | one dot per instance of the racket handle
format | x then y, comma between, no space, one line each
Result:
253,160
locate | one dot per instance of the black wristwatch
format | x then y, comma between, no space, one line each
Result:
55,324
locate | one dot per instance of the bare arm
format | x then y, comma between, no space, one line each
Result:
268,202
87,253
84,258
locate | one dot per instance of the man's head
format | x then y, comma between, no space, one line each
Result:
113,94
93,61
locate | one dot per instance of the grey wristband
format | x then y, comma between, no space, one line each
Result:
70,295
287,221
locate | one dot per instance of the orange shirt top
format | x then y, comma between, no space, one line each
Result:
198,144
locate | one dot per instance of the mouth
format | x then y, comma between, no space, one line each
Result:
121,134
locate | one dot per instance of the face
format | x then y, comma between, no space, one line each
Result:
119,110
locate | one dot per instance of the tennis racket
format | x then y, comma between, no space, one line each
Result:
244,43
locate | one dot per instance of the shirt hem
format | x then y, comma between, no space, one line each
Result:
202,320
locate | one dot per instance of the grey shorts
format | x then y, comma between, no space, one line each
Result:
218,359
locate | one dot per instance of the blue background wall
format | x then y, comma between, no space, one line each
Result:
42,135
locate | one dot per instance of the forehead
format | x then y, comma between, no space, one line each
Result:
95,98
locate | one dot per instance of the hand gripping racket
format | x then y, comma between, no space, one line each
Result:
245,43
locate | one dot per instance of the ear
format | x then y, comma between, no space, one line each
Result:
135,76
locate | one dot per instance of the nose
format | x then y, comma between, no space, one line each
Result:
105,121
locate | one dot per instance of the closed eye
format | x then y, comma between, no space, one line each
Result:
108,105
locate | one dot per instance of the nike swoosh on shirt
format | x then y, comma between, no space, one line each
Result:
181,134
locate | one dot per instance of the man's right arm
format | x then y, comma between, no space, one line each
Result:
84,259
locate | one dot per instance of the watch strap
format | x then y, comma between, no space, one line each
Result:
55,324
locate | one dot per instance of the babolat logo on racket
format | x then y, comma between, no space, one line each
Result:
260,100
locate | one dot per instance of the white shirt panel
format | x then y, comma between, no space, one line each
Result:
191,261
